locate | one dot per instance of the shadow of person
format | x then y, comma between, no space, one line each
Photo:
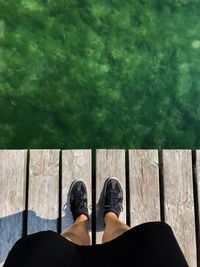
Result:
14,226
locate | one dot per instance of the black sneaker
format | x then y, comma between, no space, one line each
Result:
78,199
113,196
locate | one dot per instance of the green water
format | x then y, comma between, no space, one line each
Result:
100,74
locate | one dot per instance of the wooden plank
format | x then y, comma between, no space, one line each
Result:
109,163
43,192
198,196
179,200
144,186
12,198
76,164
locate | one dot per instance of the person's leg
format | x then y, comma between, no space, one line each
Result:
113,198
114,227
78,231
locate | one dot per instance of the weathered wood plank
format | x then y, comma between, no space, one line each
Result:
12,198
144,186
109,163
198,195
76,164
179,200
43,192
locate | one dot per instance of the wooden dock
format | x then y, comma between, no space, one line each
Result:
158,186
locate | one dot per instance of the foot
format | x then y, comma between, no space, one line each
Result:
113,196
78,199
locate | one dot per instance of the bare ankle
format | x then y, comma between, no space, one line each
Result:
110,216
81,218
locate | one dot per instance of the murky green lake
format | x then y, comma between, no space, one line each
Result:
100,74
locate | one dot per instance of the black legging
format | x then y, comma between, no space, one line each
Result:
150,244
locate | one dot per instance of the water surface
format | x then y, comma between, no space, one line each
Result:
99,74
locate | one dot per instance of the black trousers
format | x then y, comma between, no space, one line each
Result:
151,244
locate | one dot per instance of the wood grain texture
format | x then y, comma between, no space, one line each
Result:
198,191
109,163
76,164
12,198
43,196
144,186
43,191
179,200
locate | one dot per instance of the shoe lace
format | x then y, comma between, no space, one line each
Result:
114,201
79,201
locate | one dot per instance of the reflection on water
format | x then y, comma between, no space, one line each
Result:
99,74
